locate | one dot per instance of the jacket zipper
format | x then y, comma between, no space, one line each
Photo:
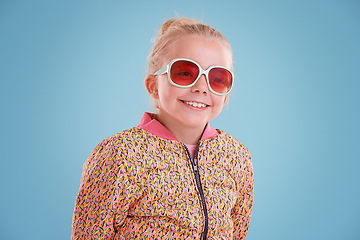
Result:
194,163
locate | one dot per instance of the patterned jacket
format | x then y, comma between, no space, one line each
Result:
142,184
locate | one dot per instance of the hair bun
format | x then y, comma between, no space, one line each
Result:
174,29
173,23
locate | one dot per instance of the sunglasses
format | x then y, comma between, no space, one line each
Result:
185,73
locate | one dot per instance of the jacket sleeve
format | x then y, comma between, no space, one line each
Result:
104,197
241,213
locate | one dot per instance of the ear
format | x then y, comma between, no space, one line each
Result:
151,86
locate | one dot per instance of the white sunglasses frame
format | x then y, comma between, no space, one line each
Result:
166,69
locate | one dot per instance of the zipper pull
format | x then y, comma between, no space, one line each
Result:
195,165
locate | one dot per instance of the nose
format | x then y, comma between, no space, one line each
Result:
201,85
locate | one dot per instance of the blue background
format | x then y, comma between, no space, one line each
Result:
72,74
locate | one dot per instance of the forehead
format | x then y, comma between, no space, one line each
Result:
204,50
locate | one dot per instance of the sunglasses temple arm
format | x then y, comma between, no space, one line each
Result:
161,70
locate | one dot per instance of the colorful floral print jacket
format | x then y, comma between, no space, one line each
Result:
142,184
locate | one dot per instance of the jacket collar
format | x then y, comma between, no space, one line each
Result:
150,124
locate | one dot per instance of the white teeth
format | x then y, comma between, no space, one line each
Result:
195,104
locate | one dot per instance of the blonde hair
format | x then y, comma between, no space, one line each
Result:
173,30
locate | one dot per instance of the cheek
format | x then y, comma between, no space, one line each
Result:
219,103
219,100
166,90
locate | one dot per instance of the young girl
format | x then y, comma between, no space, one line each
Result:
173,176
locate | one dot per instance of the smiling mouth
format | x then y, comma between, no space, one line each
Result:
195,104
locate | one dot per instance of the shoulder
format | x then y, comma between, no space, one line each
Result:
236,154
124,143
108,149
230,143
234,151
109,153
117,140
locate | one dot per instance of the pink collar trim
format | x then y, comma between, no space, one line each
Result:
149,123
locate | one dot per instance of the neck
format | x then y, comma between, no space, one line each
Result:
188,136
185,134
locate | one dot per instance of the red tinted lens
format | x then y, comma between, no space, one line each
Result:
220,80
183,72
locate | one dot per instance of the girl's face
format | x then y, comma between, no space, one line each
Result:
192,108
